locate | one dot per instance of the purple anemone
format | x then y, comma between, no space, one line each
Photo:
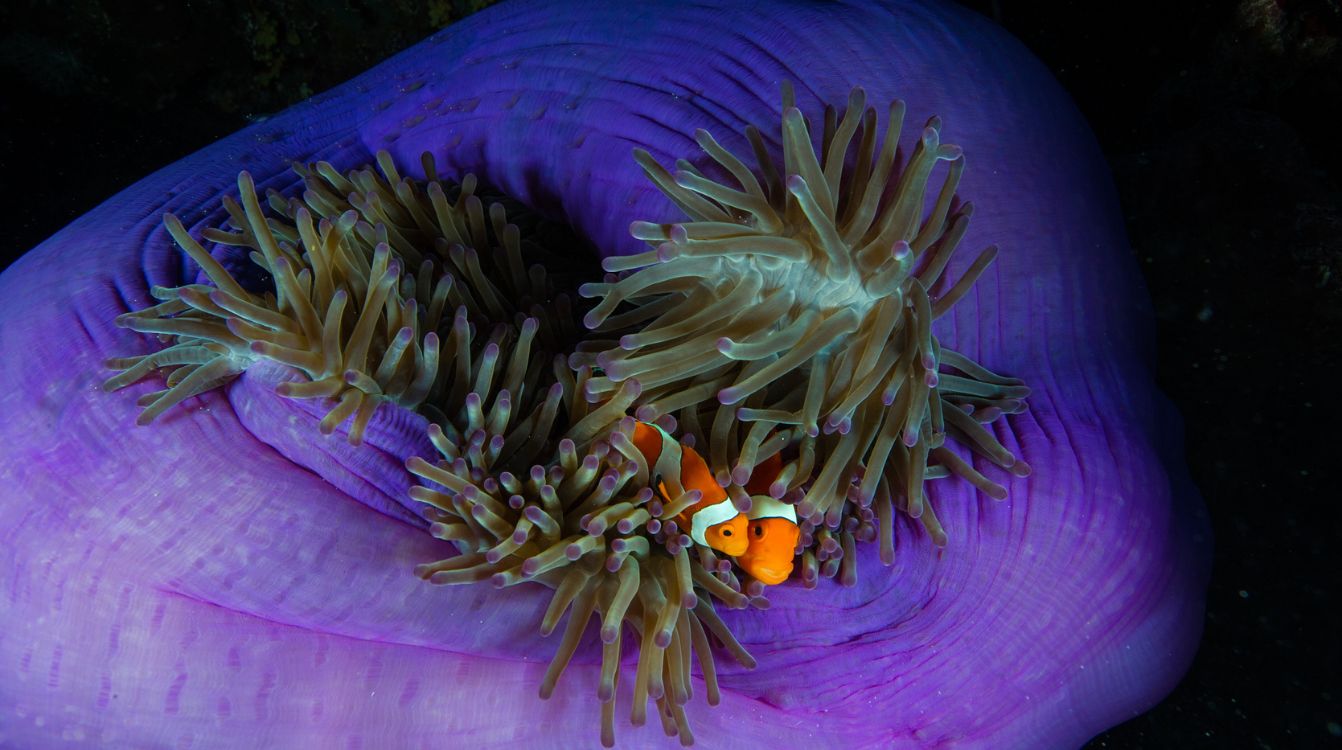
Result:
226,576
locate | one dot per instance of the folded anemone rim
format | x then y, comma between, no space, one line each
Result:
788,318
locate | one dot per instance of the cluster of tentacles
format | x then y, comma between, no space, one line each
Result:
589,526
580,516
364,272
790,316
796,307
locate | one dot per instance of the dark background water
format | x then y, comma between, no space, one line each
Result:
1219,119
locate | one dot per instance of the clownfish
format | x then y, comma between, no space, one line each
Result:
773,528
763,541
712,521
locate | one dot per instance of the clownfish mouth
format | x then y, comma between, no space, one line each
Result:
758,391
772,549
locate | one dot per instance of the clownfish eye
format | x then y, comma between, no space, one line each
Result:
759,529
726,532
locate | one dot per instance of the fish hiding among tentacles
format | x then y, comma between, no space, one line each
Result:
773,528
711,520
763,541
773,540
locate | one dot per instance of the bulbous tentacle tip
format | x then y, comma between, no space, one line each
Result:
931,135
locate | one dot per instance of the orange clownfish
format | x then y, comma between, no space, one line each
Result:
773,529
712,521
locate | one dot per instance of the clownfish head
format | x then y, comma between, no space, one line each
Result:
731,537
773,536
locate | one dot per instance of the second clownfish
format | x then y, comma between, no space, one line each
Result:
772,528
763,541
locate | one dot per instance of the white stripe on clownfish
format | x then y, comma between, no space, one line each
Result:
668,465
711,515
764,506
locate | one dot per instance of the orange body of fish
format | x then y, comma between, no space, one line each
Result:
762,541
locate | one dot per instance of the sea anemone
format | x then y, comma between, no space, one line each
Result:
817,294
242,578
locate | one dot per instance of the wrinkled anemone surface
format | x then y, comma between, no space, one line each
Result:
392,322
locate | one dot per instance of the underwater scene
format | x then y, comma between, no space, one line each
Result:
566,374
